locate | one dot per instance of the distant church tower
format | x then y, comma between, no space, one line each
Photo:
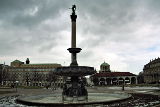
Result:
27,61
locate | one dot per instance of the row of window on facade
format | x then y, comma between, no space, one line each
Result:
153,65
114,81
41,84
23,77
29,69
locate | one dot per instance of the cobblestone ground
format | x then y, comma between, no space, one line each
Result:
147,99
138,100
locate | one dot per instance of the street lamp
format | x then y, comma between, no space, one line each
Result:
123,85
16,84
2,74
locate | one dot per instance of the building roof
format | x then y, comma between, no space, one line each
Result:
42,65
31,69
104,64
17,61
114,74
152,64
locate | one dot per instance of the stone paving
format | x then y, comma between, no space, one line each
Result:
141,97
27,91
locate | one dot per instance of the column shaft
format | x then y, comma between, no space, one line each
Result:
73,41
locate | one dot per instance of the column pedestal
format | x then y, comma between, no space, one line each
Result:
74,90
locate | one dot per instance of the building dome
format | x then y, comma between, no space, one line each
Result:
105,64
104,67
16,63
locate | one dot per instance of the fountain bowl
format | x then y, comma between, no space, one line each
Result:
56,99
74,71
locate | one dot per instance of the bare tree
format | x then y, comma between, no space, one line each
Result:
1,74
95,80
13,77
27,78
5,76
51,77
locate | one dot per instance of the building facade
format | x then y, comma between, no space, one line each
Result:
151,71
26,74
106,77
1,69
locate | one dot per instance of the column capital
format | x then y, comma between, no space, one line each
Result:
73,17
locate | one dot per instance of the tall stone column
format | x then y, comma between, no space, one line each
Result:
73,50
74,88
73,30
73,40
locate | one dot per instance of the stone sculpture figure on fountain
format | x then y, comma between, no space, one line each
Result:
73,9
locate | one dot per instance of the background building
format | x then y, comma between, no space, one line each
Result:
26,74
106,77
1,69
151,71
140,78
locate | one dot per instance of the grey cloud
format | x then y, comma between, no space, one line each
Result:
107,25
13,12
116,21
20,31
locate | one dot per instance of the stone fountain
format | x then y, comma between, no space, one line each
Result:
74,89
74,92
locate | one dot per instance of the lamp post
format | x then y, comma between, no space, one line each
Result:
123,85
159,84
2,74
16,85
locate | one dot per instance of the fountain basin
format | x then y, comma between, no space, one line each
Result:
56,99
74,71
74,50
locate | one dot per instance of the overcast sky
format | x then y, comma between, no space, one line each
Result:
123,33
